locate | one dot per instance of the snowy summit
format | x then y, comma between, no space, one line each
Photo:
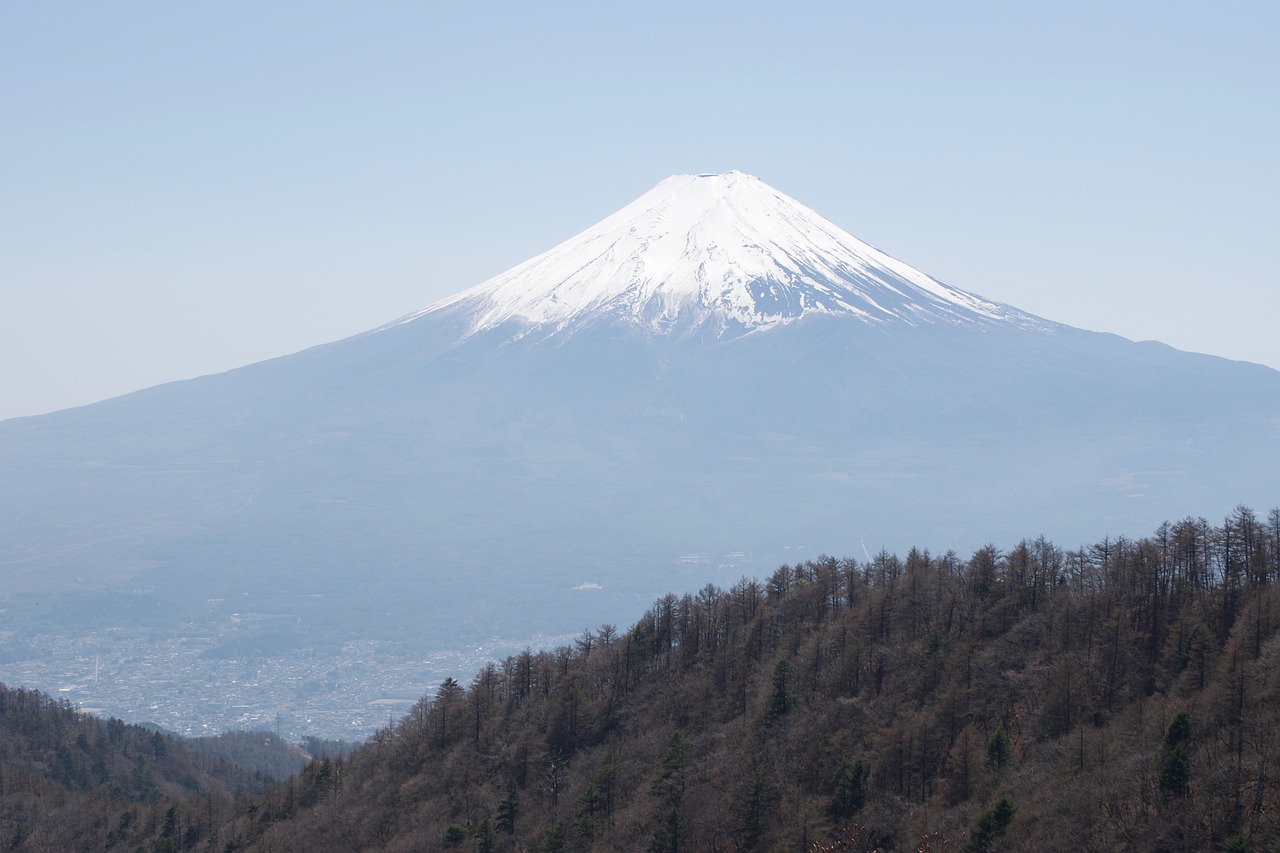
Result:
725,253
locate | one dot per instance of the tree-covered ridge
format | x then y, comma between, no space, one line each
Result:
72,781
1120,696
260,751
266,753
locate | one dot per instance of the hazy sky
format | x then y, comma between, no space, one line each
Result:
186,188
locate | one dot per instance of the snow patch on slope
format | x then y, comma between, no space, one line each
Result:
725,250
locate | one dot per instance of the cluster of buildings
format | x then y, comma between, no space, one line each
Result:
197,684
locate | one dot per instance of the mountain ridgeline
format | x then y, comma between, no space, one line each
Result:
72,781
1120,696
693,389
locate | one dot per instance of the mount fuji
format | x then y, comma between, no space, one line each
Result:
709,382
725,254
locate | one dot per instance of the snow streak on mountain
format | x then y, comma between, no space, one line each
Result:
725,253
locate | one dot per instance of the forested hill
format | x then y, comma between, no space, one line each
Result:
1121,696
72,781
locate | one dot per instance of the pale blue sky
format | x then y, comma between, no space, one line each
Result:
185,188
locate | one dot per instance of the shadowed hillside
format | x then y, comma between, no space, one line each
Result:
71,781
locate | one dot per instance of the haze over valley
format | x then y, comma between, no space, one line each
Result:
711,382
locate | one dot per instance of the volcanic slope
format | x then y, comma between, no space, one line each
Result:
722,253
707,383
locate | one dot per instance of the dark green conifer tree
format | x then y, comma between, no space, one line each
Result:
990,826
1175,756
781,699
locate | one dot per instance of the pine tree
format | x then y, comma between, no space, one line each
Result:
850,784
1175,757
990,826
999,749
509,808
781,699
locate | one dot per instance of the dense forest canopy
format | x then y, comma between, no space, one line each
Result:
72,781
1124,695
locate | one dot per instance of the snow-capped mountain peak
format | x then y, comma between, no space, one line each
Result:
724,251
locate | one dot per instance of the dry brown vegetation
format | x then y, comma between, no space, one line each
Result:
1123,696
70,781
